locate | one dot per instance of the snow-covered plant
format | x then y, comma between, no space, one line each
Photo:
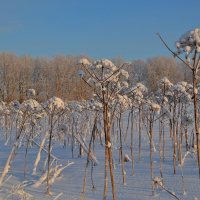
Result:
137,94
180,93
164,97
188,51
151,111
32,111
122,103
31,93
93,105
189,43
75,106
164,87
164,82
155,107
2,106
76,110
54,104
18,192
107,81
55,108
31,105
14,105
158,183
189,46
179,101
4,114
84,61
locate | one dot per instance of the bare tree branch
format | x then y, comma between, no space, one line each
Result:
174,54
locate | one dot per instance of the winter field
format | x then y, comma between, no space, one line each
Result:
19,181
125,142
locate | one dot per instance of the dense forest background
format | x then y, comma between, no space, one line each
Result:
57,76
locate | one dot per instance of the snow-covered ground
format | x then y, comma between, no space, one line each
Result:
69,185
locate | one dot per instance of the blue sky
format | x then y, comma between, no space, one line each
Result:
97,28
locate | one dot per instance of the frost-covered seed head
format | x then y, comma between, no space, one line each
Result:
124,84
178,88
164,82
155,107
126,158
178,45
84,61
187,49
124,73
54,104
104,89
30,105
189,41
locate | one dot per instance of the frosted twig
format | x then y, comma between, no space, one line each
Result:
57,196
18,190
37,160
44,149
44,177
58,171
174,54
157,181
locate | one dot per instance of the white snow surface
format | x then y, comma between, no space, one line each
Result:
70,183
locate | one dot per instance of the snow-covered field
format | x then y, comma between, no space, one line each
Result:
38,138
69,186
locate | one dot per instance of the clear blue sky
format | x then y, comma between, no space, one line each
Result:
97,28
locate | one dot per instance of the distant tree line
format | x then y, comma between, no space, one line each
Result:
49,77
57,76
152,70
